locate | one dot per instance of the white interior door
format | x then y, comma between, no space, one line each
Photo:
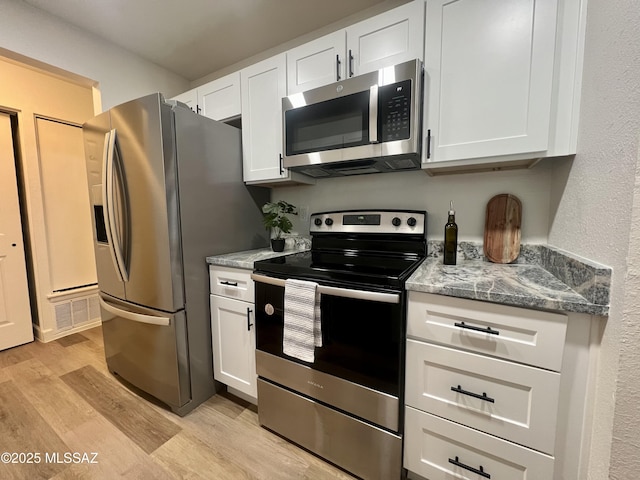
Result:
15,312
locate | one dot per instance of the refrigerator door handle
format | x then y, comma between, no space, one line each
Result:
107,194
136,317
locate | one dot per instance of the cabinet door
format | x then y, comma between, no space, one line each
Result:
392,37
489,71
316,63
262,87
190,98
220,99
234,344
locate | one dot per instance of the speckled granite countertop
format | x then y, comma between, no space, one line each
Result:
543,277
245,259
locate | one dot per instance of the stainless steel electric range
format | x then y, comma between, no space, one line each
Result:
346,403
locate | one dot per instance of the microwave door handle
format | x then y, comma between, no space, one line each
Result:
335,291
373,114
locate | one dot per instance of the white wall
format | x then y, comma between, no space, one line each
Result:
121,75
417,190
625,450
591,215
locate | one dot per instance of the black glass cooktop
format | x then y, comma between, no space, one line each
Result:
343,267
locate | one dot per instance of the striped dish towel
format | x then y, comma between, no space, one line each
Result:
302,331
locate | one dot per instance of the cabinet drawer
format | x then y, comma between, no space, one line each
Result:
231,282
518,402
516,334
438,449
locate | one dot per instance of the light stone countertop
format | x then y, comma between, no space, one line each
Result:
248,257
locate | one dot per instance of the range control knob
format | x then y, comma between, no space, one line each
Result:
396,221
328,222
317,222
411,221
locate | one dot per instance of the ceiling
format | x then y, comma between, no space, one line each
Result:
198,37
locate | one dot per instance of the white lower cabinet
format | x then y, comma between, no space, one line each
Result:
233,334
484,390
438,449
499,397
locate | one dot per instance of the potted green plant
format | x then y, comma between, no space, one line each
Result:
275,218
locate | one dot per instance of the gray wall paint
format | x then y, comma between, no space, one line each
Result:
417,190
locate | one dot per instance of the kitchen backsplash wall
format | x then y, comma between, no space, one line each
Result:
470,193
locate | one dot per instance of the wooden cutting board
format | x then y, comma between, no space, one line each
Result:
502,228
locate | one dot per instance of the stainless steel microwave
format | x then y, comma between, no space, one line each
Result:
365,124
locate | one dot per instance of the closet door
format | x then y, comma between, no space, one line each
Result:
66,205
15,312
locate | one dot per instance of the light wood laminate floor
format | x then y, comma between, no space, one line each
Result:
59,406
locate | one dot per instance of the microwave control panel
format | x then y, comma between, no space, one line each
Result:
394,108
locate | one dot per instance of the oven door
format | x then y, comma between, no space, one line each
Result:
358,369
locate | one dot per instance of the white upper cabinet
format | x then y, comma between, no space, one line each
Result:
190,98
392,37
262,86
490,71
502,80
220,98
387,39
316,63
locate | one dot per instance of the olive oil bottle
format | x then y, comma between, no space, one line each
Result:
450,237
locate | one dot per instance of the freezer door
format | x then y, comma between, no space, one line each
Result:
96,133
146,163
148,349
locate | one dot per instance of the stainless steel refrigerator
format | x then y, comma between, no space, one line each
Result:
166,191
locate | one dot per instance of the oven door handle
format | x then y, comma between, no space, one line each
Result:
335,291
